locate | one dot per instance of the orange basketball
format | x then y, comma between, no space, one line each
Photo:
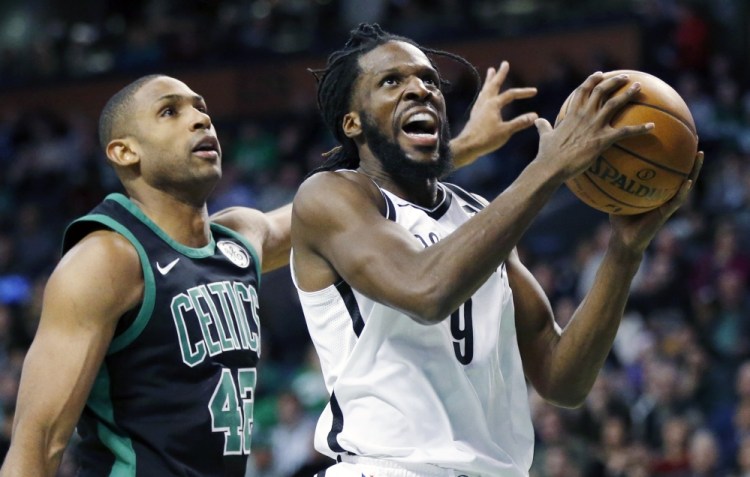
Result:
640,173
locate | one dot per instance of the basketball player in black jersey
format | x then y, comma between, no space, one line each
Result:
149,335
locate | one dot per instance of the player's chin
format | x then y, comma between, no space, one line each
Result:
426,156
211,171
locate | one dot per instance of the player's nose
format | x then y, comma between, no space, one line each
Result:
416,89
201,120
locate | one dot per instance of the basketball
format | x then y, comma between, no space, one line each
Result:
641,173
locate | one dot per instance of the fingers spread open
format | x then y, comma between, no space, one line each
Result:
614,104
494,81
513,94
632,130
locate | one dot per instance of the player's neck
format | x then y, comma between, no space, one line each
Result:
422,192
184,222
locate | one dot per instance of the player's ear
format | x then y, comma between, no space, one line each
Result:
122,152
351,124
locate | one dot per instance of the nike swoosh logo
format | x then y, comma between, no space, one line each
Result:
165,269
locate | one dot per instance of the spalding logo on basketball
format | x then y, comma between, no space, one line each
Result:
638,174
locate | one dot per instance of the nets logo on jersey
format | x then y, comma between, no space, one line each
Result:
235,253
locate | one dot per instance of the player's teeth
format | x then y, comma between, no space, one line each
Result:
419,117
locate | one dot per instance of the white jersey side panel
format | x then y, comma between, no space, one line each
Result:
451,394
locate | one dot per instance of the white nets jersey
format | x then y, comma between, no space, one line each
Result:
451,394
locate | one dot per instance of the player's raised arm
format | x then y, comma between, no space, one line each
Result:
93,285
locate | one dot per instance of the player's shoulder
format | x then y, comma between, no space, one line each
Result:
237,218
101,257
334,189
104,243
101,277
344,179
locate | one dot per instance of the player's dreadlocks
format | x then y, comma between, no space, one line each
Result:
336,81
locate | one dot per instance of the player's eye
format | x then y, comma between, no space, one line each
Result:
168,111
430,80
390,80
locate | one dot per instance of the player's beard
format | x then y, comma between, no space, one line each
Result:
397,164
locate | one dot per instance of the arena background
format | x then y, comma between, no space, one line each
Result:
674,398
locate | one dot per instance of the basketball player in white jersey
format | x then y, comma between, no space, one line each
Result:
426,323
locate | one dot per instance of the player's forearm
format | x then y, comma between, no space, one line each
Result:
587,340
24,460
464,151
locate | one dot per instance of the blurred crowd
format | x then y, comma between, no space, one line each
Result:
674,397
46,40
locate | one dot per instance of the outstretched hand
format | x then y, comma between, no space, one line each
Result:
635,232
486,130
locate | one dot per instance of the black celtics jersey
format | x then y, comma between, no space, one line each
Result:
174,396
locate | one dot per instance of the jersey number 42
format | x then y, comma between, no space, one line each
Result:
231,409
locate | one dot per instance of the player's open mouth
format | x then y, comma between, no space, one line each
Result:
421,128
207,148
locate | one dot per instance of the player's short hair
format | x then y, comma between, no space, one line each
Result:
336,83
114,115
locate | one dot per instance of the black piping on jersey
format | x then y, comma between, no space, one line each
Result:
336,426
439,210
390,209
358,324
435,213
347,295
470,199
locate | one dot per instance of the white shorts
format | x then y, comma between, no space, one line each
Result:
356,466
